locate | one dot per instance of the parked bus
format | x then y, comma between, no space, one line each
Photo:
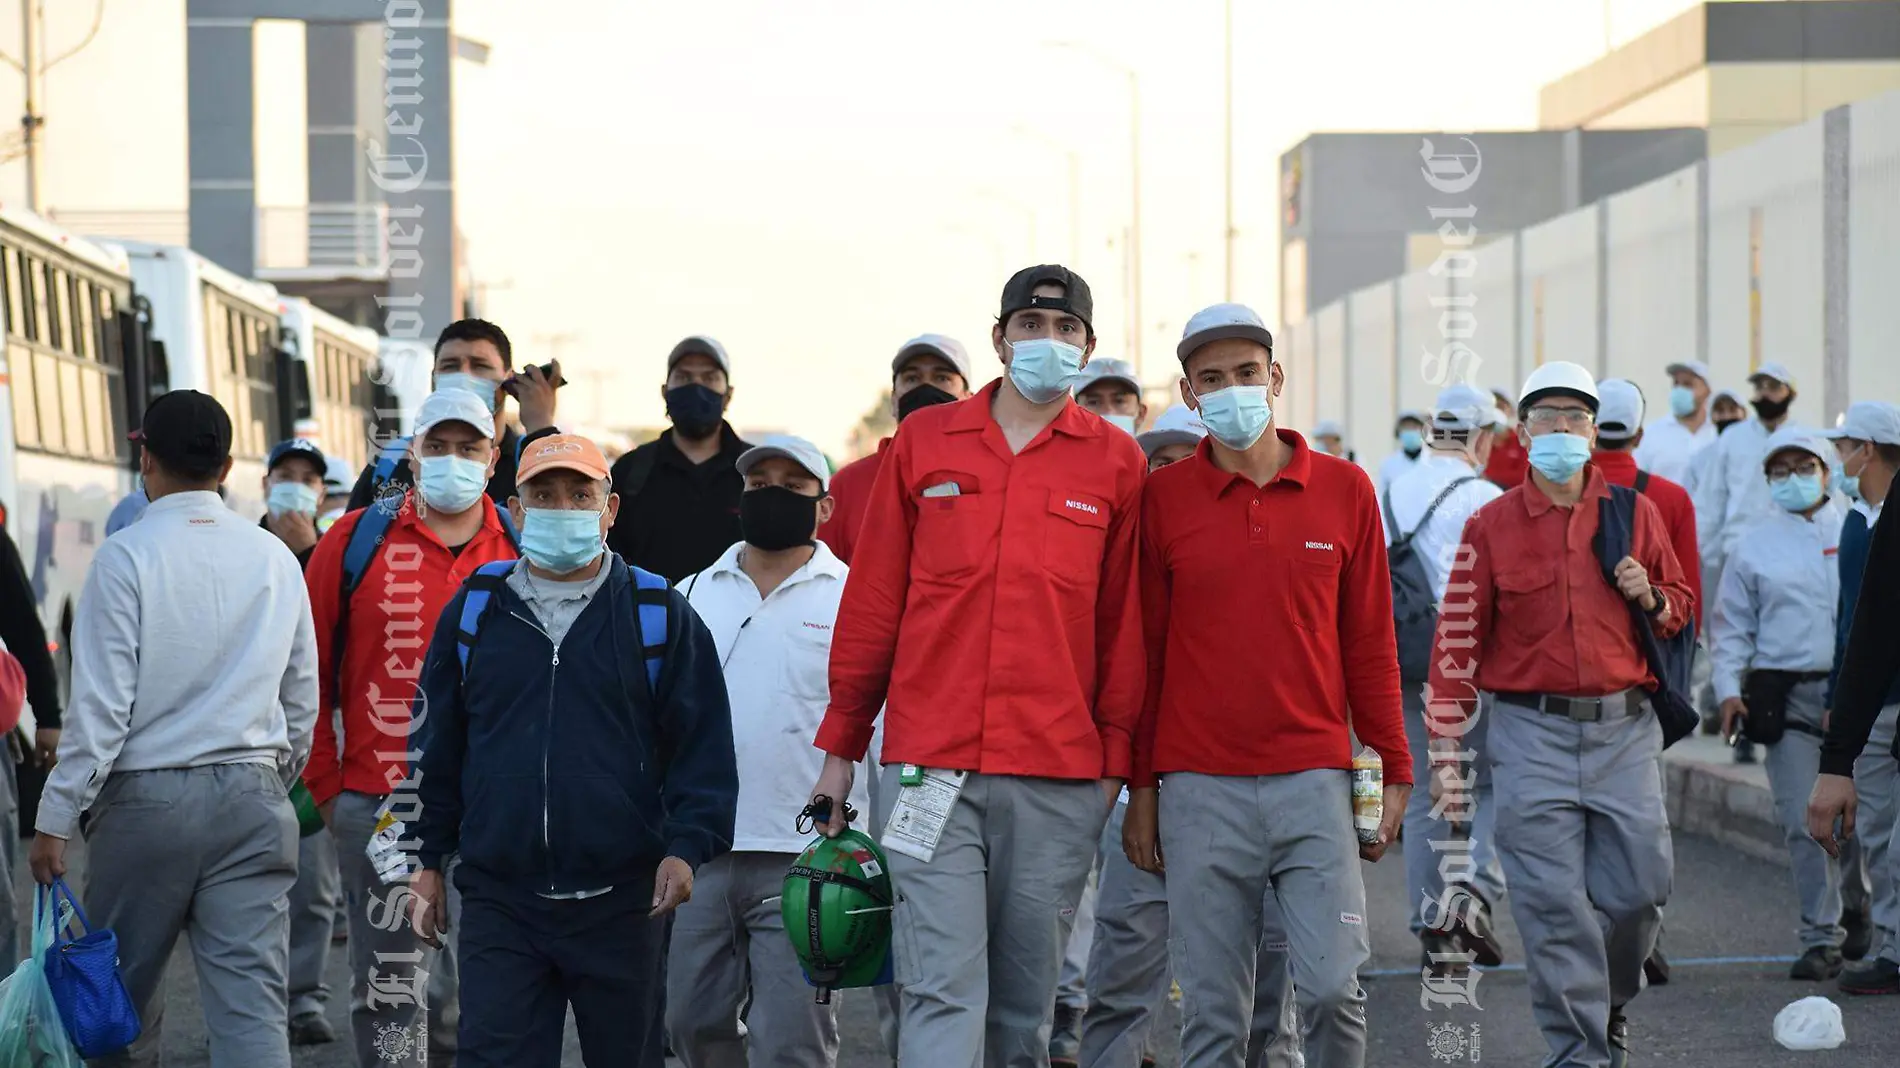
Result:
339,358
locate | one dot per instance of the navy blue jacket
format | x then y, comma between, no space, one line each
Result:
1855,541
560,773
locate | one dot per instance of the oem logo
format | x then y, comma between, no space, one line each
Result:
394,1043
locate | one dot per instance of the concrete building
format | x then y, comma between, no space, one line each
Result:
1740,71
1357,208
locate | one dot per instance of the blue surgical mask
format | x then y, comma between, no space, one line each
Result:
560,540
1796,493
452,484
1559,457
1682,401
487,389
1126,422
1411,441
1044,369
1850,485
292,497
1238,415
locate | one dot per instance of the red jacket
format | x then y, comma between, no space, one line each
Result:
851,495
1509,462
1002,620
1678,512
390,621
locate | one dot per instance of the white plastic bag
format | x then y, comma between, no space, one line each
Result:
31,1034
1810,1024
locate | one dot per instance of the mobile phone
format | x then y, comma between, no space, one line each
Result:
547,371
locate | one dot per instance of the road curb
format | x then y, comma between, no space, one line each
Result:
1729,803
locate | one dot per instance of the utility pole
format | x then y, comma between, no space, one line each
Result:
1227,235
1134,229
32,27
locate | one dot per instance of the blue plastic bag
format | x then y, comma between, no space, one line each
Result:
83,974
31,1032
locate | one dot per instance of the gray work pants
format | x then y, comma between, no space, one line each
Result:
980,929
315,901
1431,846
394,976
209,853
1822,884
12,949
1584,838
882,788
1128,971
1072,988
1875,775
730,950
1232,844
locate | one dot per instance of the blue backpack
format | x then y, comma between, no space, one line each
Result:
651,616
1669,659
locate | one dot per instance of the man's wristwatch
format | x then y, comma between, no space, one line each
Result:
1662,604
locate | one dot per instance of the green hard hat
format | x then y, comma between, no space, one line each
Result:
837,910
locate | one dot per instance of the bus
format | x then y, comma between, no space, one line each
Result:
339,359
74,379
220,334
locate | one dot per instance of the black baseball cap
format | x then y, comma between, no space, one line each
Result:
303,447
1019,293
187,429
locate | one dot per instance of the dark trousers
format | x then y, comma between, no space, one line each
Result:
525,959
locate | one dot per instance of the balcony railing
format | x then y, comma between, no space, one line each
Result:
319,240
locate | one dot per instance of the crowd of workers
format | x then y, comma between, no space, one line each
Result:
555,716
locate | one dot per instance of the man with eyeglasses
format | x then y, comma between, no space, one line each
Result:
1773,657
1573,745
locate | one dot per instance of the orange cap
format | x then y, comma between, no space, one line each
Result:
569,451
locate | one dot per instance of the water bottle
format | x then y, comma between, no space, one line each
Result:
1368,795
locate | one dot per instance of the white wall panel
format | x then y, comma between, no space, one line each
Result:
1329,358
1371,378
1765,262
1427,362
1557,305
1492,288
1873,251
1294,408
1651,283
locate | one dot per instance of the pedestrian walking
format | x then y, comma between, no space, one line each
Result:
1173,438
26,740
1574,745
1410,432
1731,491
1428,507
1860,756
473,355
681,489
375,603
770,603
1252,756
1111,389
577,753
200,622
1670,445
1014,506
1329,437
1509,463
929,369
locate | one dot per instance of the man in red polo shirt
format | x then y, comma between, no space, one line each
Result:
993,601
1508,462
1574,745
1248,726
930,369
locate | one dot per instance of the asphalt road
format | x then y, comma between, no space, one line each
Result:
1730,931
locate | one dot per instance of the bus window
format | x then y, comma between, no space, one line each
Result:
9,290
72,397
57,328
84,338
26,420
35,298
98,412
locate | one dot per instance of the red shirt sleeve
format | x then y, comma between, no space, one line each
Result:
1464,623
839,533
864,642
1119,655
1681,523
1650,545
1368,648
323,776
1156,591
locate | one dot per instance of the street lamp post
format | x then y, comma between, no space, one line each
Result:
1227,235
1134,183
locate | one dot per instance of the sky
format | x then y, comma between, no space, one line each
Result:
814,183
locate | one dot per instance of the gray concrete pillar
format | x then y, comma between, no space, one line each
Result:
1836,186
344,75
409,158
218,58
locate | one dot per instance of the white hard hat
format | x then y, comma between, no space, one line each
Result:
1558,377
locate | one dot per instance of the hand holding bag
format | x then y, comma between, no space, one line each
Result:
31,1033
83,974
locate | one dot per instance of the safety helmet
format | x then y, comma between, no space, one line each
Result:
1559,377
837,910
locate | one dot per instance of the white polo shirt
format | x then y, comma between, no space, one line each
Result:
1668,447
776,653
1437,541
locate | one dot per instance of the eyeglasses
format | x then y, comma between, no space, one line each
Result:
1543,418
1806,468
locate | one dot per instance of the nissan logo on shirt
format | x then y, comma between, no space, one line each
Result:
1081,506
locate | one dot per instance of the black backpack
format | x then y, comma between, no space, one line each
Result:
1671,659
1414,602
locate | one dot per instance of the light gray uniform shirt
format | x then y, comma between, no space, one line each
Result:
1778,597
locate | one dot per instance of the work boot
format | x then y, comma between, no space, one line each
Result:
1860,934
1744,751
1432,941
311,1029
1619,1039
1065,1042
1656,968
1878,976
1818,964
1479,937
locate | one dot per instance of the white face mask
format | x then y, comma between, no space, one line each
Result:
1126,422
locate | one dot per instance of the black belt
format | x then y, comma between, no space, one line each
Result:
1582,709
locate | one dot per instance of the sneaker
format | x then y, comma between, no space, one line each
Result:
1656,968
1818,964
1878,976
1432,942
1619,1038
1065,1042
1479,937
1744,751
311,1029
1860,935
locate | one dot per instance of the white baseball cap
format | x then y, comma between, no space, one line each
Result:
1777,371
454,405
1462,408
946,348
1329,428
1218,321
1694,367
1101,369
1176,426
1797,437
798,450
1619,409
1875,421
699,345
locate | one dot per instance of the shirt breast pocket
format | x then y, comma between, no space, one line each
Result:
1313,591
1074,539
1529,601
955,534
807,664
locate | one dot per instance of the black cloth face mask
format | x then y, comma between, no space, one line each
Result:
923,396
774,518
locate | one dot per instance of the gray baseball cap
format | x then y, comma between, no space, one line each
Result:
1218,321
1104,369
942,346
699,345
